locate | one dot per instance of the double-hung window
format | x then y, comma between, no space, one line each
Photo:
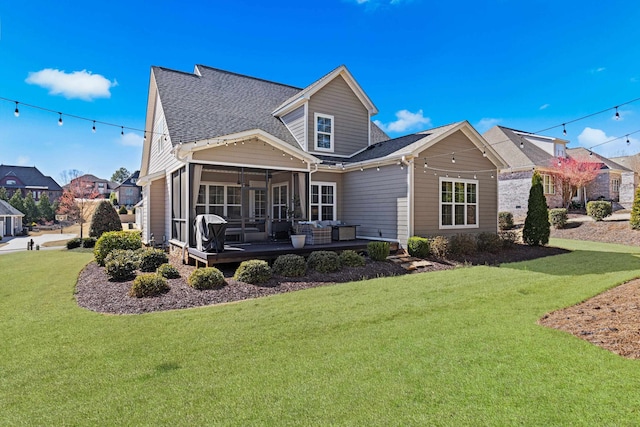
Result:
548,184
615,185
280,193
323,201
458,203
219,199
324,125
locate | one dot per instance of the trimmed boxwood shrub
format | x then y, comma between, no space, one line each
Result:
418,247
121,264
439,247
558,217
105,218
489,242
151,259
254,271
89,242
378,251
351,258
324,261
74,243
463,244
505,221
508,239
206,278
148,285
290,265
169,271
598,210
115,240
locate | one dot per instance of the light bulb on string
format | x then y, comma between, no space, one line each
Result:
628,142
590,153
559,162
617,116
122,132
521,143
60,120
16,112
474,176
453,158
93,128
484,153
564,129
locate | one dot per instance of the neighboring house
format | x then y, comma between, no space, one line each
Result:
256,152
93,184
615,182
526,152
128,192
28,179
10,220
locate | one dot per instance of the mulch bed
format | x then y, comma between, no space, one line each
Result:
96,291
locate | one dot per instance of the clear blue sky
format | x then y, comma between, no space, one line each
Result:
523,64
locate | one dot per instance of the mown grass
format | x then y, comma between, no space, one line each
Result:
458,347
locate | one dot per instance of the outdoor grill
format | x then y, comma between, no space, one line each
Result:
210,230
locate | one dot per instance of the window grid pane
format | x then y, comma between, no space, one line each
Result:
458,203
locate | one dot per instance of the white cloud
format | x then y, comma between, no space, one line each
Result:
78,84
406,120
23,161
597,70
131,140
591,137
486,123
544,106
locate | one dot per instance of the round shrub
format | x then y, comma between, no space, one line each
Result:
121,264
206,278
418,247
123,210
463,244
253,271
489,242
558,217
115,240
324,261
505,221
351,258
169,271
89,242
74,243
105,218
151,259
290,265
378,251
148,285
439,247
598,210
508,239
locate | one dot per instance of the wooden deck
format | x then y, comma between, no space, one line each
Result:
268,251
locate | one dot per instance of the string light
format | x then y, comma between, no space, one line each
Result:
564,129
521,142
453,158
122,132
617,114
16,112
484,153
93,128
628,142
60,120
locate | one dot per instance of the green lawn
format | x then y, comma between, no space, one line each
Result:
457,347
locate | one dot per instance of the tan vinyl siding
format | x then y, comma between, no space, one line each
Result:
427,185
351,127
156,208
251,153
294,121
376,201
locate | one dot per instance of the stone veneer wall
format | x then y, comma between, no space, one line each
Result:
628,185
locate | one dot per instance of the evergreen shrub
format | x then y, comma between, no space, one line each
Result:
123,210
489,242
351,258
505,220
168,271
105,218
151,259
378,251
598,210
558,217
148,285
76,242
115,240
418,246
290,265
254,271
635,211
89,242
206,278
439,247
324,261
463,244
536,226
121,264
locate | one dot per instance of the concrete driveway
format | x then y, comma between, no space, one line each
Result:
20,243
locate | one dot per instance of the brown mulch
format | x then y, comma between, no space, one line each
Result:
97,292
610,320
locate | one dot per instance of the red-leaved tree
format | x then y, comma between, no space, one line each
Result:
573,173
74,202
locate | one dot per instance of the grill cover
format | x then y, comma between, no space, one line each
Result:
210,231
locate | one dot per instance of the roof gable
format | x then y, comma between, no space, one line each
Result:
29,176
7,210
584,155
510,145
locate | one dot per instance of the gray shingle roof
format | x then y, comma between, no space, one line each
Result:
29,176
215,103
507,143
7,210
584,155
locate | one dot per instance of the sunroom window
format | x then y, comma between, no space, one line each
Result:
323,201
219,199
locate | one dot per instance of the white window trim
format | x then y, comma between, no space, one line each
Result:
321,184
273,202
615,184
477,203
545,185
226,204
316,116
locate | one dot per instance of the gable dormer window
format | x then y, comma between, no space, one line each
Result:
324,125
